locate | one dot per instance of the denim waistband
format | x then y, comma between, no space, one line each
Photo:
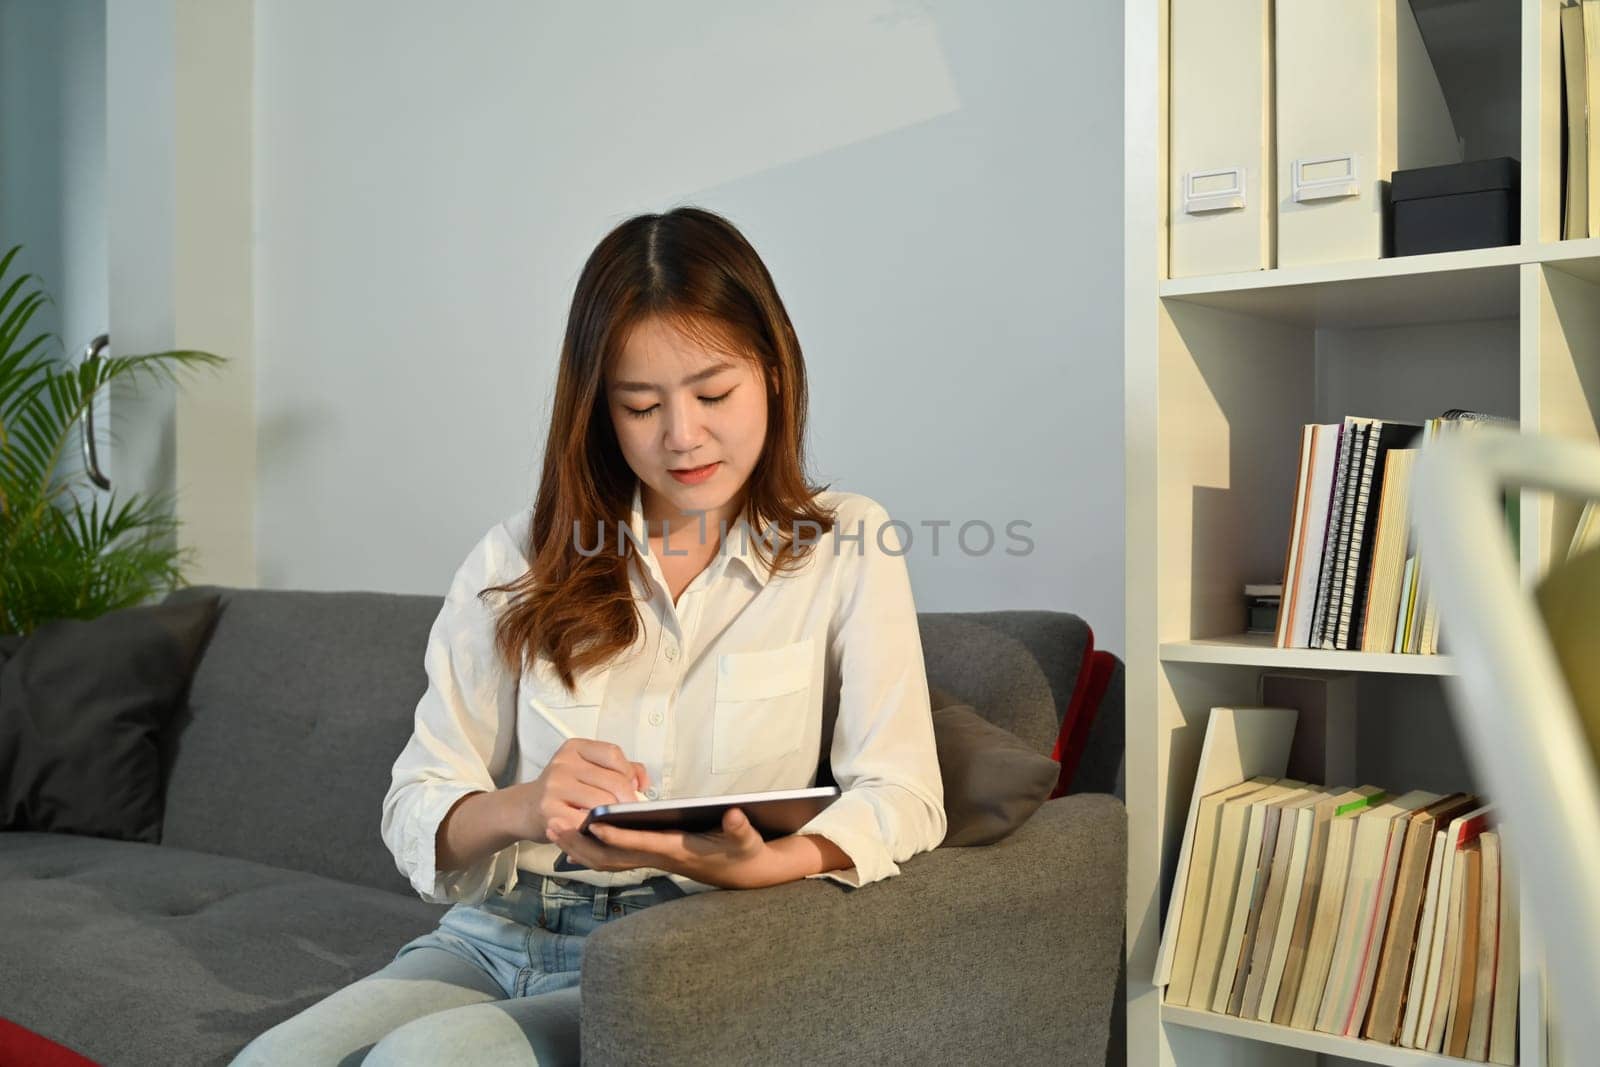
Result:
532,880
600,899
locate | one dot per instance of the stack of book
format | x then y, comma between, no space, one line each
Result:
1352,578
1349,912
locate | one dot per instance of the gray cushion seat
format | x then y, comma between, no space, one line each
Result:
272,889
161,955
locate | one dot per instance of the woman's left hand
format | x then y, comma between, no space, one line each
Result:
735,857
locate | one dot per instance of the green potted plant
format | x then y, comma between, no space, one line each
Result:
61,557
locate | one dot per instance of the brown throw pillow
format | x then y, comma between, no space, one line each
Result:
940,698
993,782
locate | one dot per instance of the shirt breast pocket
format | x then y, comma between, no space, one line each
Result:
556,713
762,701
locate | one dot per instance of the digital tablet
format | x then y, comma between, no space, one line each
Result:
775,813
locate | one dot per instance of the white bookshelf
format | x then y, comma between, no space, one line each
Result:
1256,650
1221,373
1305,1040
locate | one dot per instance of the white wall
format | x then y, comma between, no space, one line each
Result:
935,187
179,222
141,134
53,160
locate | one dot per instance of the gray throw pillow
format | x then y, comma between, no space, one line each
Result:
993,782
83,704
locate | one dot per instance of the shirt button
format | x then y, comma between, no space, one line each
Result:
655,718
672,652
651,793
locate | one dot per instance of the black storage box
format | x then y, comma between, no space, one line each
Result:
1458,205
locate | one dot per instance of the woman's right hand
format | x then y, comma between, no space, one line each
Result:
583,774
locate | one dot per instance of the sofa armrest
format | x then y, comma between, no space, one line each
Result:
996,954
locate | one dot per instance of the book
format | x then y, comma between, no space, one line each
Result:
1367,881
1239,744
1408,588
1356,431
1262,946
1477,1041
1435,897
1428,639
1262,891
1575,216
1282,638
1389,553
1303,568
1330,536
1431,1032
1382,438
1306,865
1187,915
1254,873
1229,908
1224,884
1297,519
1507,973
1402,937
1442,964
1371,936
1418,594
1463,992
1591,99
1325,924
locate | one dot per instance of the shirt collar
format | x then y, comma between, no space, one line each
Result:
737,547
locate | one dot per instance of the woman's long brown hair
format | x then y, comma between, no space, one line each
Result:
693,269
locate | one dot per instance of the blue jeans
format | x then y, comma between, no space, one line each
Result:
496,983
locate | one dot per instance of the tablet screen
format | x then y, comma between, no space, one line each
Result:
775,813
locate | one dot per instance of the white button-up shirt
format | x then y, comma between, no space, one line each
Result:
722,693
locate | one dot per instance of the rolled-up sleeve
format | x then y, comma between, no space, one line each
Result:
883,755
463,732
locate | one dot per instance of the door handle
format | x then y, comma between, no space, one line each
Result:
91,459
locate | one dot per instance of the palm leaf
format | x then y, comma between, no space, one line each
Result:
61,557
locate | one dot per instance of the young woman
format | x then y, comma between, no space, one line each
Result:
680,605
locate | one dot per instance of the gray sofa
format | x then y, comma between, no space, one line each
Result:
271,887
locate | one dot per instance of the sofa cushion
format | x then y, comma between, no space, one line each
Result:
83,703
294,720
992,781
135,953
